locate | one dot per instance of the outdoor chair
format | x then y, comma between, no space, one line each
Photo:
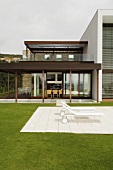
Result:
27,90
20,90
55,92
49,93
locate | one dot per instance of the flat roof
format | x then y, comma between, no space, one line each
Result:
50,46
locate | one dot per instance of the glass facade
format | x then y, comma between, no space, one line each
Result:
6,91
66,84
81,85
37,84
87,85
56,85
75,79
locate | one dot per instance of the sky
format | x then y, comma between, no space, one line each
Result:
25,20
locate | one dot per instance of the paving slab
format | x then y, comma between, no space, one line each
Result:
48,119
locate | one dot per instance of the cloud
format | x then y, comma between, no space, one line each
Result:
44,20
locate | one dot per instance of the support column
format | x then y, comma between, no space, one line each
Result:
70,84
43,86
34,56
26,52
62,84
30,56
79,85
35,84
16,92
38,90
8,83
83,83
97,84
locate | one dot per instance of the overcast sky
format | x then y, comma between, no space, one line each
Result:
22,20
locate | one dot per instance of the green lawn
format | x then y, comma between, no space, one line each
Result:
92,104
48,151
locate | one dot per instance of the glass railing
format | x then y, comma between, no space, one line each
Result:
64,57
76,57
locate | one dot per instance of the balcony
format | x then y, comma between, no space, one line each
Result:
59,57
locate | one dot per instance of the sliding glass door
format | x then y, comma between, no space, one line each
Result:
57,85
80,85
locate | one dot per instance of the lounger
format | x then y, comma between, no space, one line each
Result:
78,114
80,109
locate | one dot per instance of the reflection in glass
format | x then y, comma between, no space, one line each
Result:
37,84
66,84
50,77
87,87
74,91
81,85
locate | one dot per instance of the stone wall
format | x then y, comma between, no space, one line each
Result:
40,57
26,80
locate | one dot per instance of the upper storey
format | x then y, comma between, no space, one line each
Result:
94,33
56,51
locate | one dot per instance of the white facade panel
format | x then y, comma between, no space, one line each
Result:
93,35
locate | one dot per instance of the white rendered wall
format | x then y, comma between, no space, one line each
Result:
93,35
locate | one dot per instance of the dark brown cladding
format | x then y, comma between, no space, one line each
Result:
37,66
107,71
108,25
55,42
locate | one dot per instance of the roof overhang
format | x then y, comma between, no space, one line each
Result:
55,46
38,66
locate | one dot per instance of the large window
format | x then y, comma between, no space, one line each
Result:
50,77
37,84
66,84
81,85
4,84
75,88
46,57
71,57
59,77
58,57
87,85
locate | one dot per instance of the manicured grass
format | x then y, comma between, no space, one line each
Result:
92,104
48,151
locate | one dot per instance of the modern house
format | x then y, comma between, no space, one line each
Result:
68,69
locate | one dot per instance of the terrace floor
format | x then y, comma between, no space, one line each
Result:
48,119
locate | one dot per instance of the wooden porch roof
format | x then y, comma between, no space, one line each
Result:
38,66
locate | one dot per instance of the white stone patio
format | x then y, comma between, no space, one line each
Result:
48,119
